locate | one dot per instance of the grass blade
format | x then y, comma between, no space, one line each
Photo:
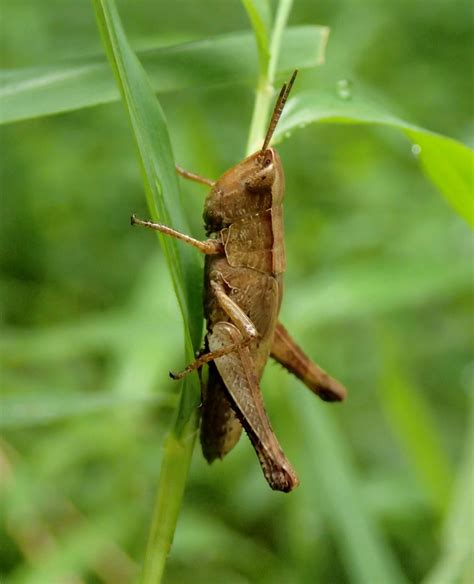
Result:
268,66
260,17
150,130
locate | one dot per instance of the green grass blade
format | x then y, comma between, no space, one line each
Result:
448,163
84,82
150,130
151,134
260,16
173,475
266,76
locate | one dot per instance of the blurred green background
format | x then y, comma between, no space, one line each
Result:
378,290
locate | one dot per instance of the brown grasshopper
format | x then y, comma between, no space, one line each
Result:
243,287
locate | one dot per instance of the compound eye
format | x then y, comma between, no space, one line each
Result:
267,157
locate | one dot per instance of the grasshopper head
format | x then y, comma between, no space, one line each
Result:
252,186
260,170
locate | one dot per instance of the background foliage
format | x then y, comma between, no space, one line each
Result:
378,289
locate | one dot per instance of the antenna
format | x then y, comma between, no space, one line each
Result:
280,104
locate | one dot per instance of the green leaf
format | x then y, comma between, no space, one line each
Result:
151,134
448,163
225,59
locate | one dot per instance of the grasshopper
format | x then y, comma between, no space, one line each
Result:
243,287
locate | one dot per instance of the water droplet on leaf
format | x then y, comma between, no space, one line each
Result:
416,150
344,89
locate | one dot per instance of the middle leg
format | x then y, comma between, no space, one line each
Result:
238,318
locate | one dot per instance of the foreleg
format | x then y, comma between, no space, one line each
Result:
195,177
209,247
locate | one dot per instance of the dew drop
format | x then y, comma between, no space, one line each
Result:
344,89
416,150
287,134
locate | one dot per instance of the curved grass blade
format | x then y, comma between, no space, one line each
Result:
268,67
260,16
446,162
150,130
84,82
